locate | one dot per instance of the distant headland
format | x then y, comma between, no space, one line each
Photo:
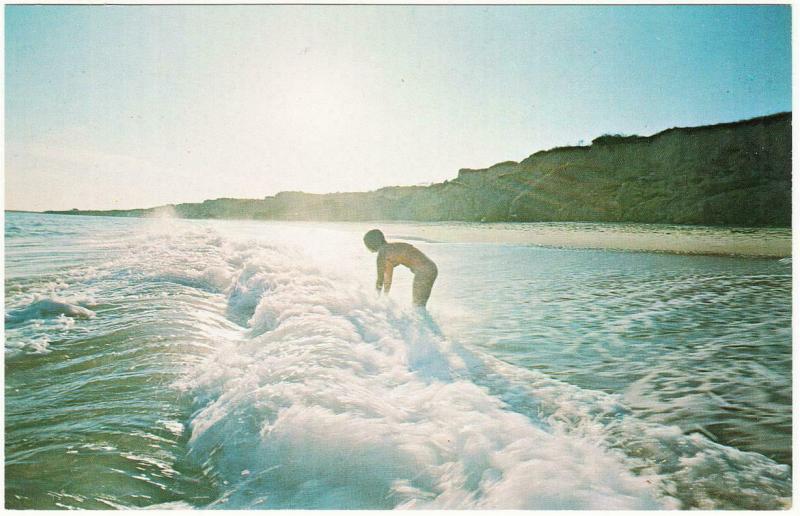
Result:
736,173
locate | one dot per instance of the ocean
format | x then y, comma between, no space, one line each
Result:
163,363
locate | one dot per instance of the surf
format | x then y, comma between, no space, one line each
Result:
334,398
285,382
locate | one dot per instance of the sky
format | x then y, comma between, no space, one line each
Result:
115,107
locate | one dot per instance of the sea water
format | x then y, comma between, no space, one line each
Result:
229,364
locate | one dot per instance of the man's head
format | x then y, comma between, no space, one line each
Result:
374,239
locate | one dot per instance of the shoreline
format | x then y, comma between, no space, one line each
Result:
732,241
685,240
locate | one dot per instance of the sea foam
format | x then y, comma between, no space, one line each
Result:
334,398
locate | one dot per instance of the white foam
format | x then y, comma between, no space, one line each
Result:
337,399
27,346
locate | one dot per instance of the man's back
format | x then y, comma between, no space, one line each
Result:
401,253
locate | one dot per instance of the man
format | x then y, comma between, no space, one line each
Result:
391,254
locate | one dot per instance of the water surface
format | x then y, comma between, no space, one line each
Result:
251,365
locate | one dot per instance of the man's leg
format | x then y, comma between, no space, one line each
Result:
423,283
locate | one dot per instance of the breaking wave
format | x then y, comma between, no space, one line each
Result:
332,397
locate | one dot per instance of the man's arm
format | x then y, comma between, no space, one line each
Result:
381,267
387,278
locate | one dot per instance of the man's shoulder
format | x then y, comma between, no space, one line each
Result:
399,246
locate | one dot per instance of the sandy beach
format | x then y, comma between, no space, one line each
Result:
695,240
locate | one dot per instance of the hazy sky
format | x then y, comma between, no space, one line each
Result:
137,106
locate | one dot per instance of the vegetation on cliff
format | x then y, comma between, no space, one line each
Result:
726,174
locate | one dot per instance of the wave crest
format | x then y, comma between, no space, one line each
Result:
47,308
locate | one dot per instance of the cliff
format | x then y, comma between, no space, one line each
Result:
726,174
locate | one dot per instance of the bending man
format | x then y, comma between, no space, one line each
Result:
391,254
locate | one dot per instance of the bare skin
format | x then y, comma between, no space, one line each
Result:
392,254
